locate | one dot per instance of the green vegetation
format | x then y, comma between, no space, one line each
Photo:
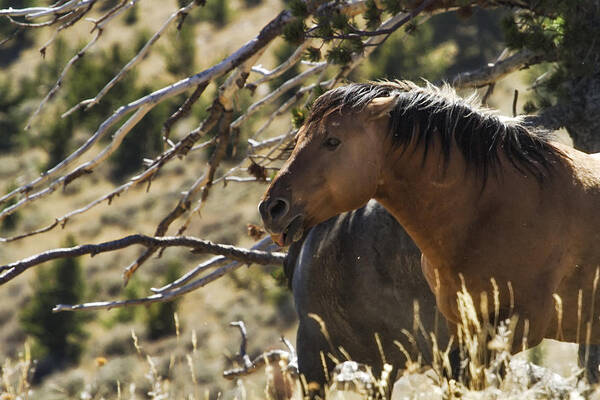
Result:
401,58
57,337
217,13
180,53
12,116
18,38
563,31
160,318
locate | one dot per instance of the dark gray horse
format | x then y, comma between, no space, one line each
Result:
360,273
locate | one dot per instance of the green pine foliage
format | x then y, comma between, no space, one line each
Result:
12,116
567,32
372,15
218,13
57,336
180,54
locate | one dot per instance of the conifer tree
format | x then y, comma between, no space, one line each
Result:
58,337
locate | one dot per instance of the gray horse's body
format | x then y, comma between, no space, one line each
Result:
360,274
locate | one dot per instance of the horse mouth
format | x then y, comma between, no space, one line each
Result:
292,233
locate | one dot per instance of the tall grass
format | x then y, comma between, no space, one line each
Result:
489,371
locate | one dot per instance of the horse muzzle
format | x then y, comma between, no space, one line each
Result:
284,227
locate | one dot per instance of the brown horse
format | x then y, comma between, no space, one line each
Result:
482,196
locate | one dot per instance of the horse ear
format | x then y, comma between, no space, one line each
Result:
381,106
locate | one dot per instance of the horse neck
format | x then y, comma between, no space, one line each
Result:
436,202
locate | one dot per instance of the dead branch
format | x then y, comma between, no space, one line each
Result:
37,12
268,357
498,70
166,296
265,244
244,356
182,111
10,271
274,95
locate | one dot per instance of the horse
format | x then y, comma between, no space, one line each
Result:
498,209
355,276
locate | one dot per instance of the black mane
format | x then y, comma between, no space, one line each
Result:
422,112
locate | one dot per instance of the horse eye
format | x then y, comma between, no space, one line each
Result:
332,143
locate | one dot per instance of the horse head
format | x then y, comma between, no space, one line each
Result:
334,167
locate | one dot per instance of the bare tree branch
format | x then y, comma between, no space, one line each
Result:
37,12
166,296
10,271
498,70
274,95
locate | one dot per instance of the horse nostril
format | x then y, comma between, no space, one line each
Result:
278,208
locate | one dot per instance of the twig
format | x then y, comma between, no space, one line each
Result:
288,104
36,12
281,68
134,61
268,143
182,111
264,244
245,358
268,357
9,271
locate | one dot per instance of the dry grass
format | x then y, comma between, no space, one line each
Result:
180,373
